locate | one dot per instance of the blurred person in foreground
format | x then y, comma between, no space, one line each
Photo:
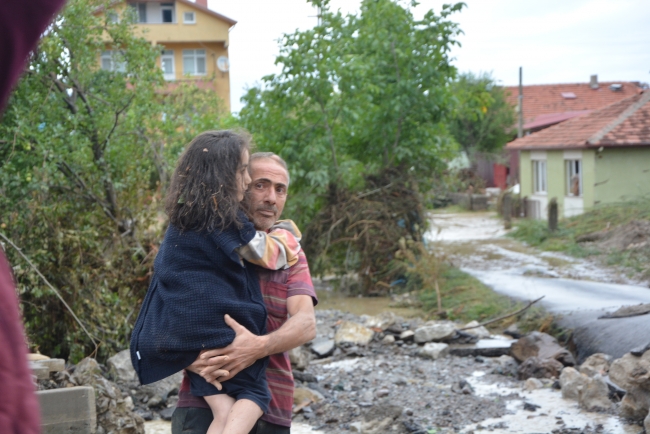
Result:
21,24
289,298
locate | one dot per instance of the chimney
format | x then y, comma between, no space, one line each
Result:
203,3
593,80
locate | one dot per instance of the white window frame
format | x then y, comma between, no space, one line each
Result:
167,7
540,177
573,168
193,56
189,21
142,12
109,61
169,56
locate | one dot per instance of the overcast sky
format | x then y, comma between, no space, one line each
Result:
555,41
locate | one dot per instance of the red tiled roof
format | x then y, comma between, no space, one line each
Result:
543,99
623,123
552,119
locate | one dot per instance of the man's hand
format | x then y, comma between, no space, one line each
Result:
240,354
211,372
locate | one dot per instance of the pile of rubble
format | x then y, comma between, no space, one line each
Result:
390,374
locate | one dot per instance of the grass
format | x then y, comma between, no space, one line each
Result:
465,298
536,233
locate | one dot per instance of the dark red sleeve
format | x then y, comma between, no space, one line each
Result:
19,412
21,24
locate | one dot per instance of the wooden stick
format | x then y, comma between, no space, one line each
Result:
504,316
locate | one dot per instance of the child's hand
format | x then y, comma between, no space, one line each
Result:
209,367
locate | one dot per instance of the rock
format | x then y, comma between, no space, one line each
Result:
114,410
480,331
646,423
433,350
33,357
299,357
596,364
378,412
572,382
542,346
166,413
483,348
533,384
155,401
382,393
382,321
323,347
626,372
388,340
434,332
353,333
304,377
638,351
121,368
304,394
505,365
536,367
513,331
635,405
594,395
407,335
163,388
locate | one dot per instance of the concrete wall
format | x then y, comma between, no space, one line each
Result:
621,174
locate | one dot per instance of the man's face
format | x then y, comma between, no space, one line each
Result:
267,192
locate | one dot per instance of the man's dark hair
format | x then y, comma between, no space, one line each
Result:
202,195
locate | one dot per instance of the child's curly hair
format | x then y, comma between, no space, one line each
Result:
202,195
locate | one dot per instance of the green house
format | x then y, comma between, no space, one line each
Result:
597,158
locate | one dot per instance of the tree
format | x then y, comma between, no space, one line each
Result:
358,97
483,120
84,156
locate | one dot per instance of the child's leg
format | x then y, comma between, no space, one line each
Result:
242,417
221,406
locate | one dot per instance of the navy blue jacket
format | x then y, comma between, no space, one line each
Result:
198,278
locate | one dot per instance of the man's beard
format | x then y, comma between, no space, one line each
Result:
262,221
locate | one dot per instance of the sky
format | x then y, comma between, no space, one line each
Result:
554,41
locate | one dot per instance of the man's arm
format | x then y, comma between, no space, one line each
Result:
299,329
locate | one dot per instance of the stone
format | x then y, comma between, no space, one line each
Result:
407,335
435,332
542,346
572,382
482,348
505,365
33,357
299,357
646,423
596,364
304,394
382,321
624,372
388,340
166,413
539,368
433,350
39,371
323,347
163,388
378,412
121,368
52,365
594,395
635,405
71,409
480,331
533,384
304,377
353,333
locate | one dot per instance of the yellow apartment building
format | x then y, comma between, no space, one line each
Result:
193,43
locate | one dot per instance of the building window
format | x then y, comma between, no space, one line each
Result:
167,12
539,176
167,64
189,18
113,17
194,62
573,177
113,61
142,12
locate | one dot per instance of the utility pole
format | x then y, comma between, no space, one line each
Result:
520,130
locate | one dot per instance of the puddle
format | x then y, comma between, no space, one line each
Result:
463,227
554,412
331,299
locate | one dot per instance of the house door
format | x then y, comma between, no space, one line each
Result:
573,200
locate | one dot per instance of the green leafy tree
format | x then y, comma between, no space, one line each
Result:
361,102
483,120
357,94
84,158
